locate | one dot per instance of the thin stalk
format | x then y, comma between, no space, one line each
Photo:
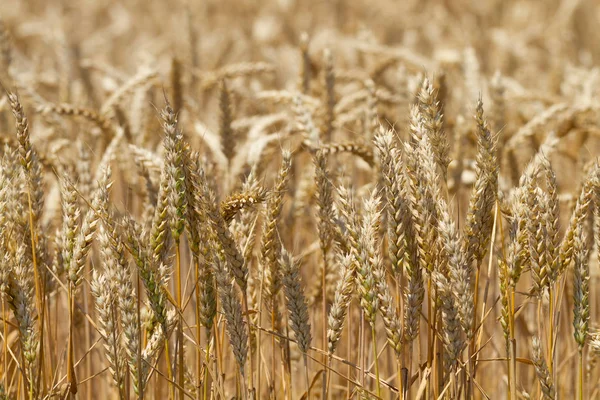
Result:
512,349
205,379
139,348
180,359
199,390
471,350
400,305
361,348
430,331
324,322
307,380
273,366
246,311
376,358
238,384
408,371
350,347
259,334
286,363
39,292
36,273
580,374
42,351
70,351
400,377
169,370
328,367
551,329
438,367
88,337
218,355
487,285
5,343
31,397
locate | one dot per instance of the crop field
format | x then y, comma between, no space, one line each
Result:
299,199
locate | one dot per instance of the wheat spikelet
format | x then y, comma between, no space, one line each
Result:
305,123
74,111
414,291
71,213
232,309
270,245
431,118
329,94
537,208
324,200
225,132
160,236
461,274
83,242
387,307
19,296
155,342
504,278
5,51
541,369
402,245
28,157
579,215
222,236
104,299
479,220
174,172
581,290
84,171
148,272
200,246
343,296
295,300
357,149
366,266
551,220
371,121
451,335
237,202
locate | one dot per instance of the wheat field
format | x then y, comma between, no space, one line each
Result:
299,199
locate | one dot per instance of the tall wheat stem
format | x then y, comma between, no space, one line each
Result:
431,326
199,389
169,369
39,293
580,374
246,311
376,359
324,323
70,351
5,342
180,361
551,329
512,347
350,347
307,380
207,363
141,393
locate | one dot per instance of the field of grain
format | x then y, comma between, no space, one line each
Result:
299,199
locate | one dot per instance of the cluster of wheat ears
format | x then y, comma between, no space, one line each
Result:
299,200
